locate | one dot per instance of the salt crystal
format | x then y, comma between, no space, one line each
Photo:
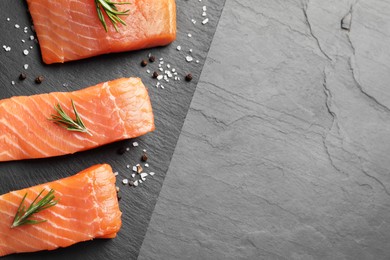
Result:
135,183
133,175
197,61
190,50
128,166
168,66
144,150
25,66
116,173
160,77
134,168
125,181
204,14
205,21
178,48
162,86
173,70
23,41
135,144
204,8
25,52
17,26
189,59
127,149
151,173
161,69
32,37
161,59
146,165
149,55
143,175
8,19
13,82
140,181
31,47
189,35
148,71
193,21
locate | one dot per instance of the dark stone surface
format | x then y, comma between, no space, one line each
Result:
285,150
170,107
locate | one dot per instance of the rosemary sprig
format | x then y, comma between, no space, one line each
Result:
111,11
23,215
67,122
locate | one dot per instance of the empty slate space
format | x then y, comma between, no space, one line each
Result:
170,105
284,153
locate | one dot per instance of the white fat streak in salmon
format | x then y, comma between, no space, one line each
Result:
107,87
37,136
16,133
37,227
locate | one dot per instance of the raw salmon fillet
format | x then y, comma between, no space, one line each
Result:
71,30
87,208
111,111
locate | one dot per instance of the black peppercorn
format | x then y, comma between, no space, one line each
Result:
22,76
155,75
188,77
144,63
152,59
39,79
144,157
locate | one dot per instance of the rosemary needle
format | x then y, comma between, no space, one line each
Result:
23,215
110,9
67,122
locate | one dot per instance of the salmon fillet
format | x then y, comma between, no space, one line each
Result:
111,111
87,208
71,30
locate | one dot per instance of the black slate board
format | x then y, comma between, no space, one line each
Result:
170,107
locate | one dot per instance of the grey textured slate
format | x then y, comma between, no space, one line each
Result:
285,150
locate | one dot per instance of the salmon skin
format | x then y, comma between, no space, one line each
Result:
87,208
111,111
71,30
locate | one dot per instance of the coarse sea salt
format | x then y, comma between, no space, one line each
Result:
189,59
205,21
178,48
125,181
25,52
25,66
151,173
135,144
